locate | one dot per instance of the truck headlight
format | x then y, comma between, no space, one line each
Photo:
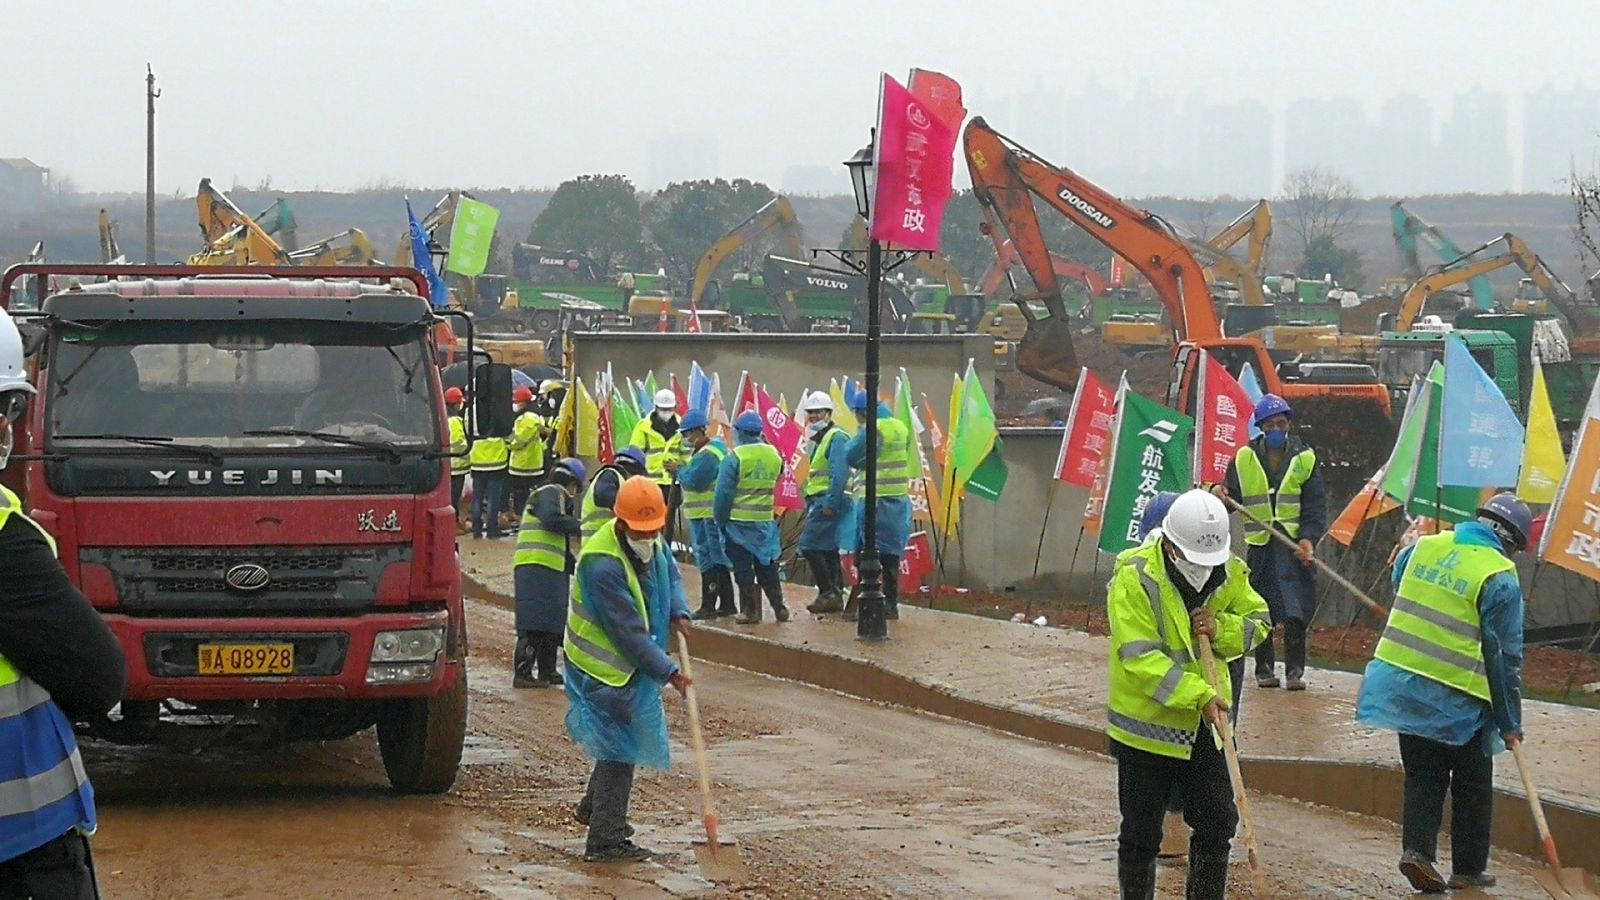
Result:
413,645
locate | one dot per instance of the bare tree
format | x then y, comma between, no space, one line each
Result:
1585,190
1320,203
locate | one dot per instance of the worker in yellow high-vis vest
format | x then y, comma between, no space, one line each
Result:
1181,583
1277,479
626,600
742,505
460,466
1447,675
546,549
895,455
527,445
826,500
489,457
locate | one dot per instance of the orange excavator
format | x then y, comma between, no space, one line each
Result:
1007,178
994,277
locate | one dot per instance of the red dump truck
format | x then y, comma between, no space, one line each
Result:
246,473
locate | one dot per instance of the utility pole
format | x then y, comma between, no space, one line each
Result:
150,95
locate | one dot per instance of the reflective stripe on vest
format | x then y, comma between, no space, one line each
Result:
537,545
1434,629
459,464
527,445
586,643
894,458
657,449
489,454
820,477
592,515
697,504
759,468
1282,508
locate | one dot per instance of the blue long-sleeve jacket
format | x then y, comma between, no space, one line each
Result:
605,588
700,473
894,513
1399,700
760,538
1313,495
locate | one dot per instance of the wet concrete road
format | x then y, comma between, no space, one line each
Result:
829,796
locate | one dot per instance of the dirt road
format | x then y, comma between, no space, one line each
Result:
830,797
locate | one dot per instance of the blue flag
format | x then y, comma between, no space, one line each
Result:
699,389
422,261
1478,426
1252,389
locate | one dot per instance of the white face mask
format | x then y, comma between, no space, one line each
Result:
815,428
644,549
1194,573
664,415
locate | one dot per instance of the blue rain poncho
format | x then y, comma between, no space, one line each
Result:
700,474
760,538
822,533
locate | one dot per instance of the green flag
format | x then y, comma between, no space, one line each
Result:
1428,498
624,416
990,477
975,443
1149,454
470,237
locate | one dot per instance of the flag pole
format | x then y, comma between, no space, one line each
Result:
1044,526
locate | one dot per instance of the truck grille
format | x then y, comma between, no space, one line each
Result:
190,580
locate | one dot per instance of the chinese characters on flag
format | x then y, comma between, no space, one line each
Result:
1087,437
1572,537
914,154
784,435
1224,422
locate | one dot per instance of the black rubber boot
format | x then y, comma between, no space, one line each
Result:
772,586
522,661
819,575
727,601
708,597
749,604
891,585
1294,654
1208,877
544,657
1137,882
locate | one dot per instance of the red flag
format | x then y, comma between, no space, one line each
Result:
683,399
940,92
1119,271
607,450
1087,437
744,400
693,325
785,436
1223,424
662,324
914,154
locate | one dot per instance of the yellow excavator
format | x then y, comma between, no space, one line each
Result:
110,252
777,213
442,215
1256,223
936,267
350,247
231,237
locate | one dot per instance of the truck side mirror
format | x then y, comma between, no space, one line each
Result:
492,416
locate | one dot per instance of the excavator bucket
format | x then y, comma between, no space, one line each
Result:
1046,353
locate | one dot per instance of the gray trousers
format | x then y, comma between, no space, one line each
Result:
605,805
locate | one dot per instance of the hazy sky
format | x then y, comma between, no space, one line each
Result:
473,93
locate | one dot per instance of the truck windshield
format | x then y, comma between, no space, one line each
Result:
230,385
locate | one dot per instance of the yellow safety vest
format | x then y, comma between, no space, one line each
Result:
894,458
537,545
759,468
527,445
1157,683
592,515
1434,629
489,454
1281,508
818,480
657,449
459,463
697,504
586,643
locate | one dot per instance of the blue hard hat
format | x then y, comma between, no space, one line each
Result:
1506,510
1271,405
1155,511
749,423
574,467
633,455
857,401
691,420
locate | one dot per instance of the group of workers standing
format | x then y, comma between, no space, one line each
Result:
1446,674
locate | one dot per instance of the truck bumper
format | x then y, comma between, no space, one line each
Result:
332,657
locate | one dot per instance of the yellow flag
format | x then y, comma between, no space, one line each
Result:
1542,461
588,427
843,418
566,422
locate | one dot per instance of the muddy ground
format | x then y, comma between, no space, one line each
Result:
829,797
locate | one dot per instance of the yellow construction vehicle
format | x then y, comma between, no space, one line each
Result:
109,251
347,248
231,237
1256,223
1135,333
937,267
442,215
777,213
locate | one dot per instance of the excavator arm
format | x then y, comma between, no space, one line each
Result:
110,252
1554,289
777,213
995,276
1006,178
442,215
1256,223
232,238
1228,269
1517,253
1409,230
1433,282
347,248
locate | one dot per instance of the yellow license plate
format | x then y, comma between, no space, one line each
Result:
246,659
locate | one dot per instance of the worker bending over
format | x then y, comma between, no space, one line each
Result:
543,566
596,510
1447,675
1177,586
825,502
626,598
742,506
698,479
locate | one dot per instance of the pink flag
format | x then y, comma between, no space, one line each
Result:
1087,437
914,153
1223,424
784,435
941,93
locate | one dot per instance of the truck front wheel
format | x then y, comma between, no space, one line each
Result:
420,739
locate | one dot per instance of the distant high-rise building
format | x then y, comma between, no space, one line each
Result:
1560,129
1475,144
1331,133
1231,150
681,157
1404,143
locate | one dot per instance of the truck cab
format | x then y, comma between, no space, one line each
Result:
1404,355
248,477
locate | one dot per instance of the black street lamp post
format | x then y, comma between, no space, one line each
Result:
870,622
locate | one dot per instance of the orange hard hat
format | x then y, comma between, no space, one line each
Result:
639,504
523,394
454,395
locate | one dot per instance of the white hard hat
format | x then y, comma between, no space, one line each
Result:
1197,524
13,368
818,401
666,399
